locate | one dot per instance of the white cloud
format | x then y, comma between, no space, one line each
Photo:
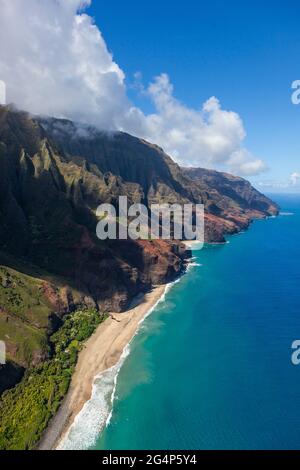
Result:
209,135
294,178
55,61
241,161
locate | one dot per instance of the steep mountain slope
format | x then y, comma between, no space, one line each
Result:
53,176
231,202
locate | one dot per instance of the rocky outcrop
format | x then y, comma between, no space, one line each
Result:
231,202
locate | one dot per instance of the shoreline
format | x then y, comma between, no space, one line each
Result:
102,351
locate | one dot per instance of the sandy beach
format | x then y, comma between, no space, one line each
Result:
102,351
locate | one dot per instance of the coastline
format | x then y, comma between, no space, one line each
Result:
102,351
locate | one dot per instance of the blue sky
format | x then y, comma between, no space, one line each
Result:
244,54
81,64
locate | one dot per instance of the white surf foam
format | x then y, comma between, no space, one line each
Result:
96,412
193,265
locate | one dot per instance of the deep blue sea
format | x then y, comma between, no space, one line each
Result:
211,366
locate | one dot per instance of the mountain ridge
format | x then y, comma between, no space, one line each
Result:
53,176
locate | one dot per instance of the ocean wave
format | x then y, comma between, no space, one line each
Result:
97,412
193,265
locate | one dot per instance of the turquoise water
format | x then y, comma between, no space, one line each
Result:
211,367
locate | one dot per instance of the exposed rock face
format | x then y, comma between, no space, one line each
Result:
53,176
49,195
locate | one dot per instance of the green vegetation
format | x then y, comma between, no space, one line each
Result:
22,296
24,316
26,410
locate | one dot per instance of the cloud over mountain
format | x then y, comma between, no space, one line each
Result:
55,61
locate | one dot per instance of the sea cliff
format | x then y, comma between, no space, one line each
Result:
53,175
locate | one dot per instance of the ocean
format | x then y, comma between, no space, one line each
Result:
211,366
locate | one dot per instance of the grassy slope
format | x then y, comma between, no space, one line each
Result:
24,316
